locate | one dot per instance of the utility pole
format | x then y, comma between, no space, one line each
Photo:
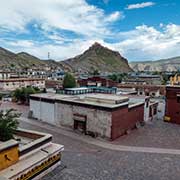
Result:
48,55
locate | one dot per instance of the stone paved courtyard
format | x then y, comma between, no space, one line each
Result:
88,162
157,134
84,161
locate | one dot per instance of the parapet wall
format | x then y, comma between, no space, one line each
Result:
8,153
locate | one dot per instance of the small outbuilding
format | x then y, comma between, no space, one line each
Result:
105,115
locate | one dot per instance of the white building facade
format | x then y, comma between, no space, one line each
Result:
62,114
13,84
104,115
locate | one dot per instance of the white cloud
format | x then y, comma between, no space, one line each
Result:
161,25
84,21
141,43
89,22
22,43
114,16
148,43
57,51
56,38
76,16
140,5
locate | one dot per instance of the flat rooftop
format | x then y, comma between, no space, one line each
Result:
94,99
77,89
114,99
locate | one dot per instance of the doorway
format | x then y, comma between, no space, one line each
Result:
80,123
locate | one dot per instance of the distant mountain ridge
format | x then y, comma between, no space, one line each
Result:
170,64
96,57
10,59
100,58
23,60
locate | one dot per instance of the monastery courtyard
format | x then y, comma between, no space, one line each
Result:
150,152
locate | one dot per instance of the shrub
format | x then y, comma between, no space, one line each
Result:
8,124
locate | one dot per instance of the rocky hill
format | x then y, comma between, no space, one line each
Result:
99,58
10,60
171,64
96,57
20,60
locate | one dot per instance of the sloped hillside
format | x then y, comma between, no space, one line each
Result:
20,60
99,58
10,60
171,64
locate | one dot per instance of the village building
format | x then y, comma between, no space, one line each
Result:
151,107
146,90
5,74
96,81
126,91
85,90
104,115
175,80
53,84
154,108
57,75
12,84
172,113
143,79
36,73
30,155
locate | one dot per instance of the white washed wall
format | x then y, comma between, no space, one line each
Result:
97,120
62,115
43,110
146,113
161,109
35,108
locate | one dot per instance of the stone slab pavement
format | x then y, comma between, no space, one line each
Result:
101,143
82,160
85,158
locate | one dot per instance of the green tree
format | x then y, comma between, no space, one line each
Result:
113,77
22,95
155,73
165,78
69,81
12,65
27,92
96,72
36,89
117,77
17,94
8,124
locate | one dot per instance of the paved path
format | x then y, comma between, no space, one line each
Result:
85,161
101,143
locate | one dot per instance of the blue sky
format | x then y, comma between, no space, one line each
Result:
139,30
